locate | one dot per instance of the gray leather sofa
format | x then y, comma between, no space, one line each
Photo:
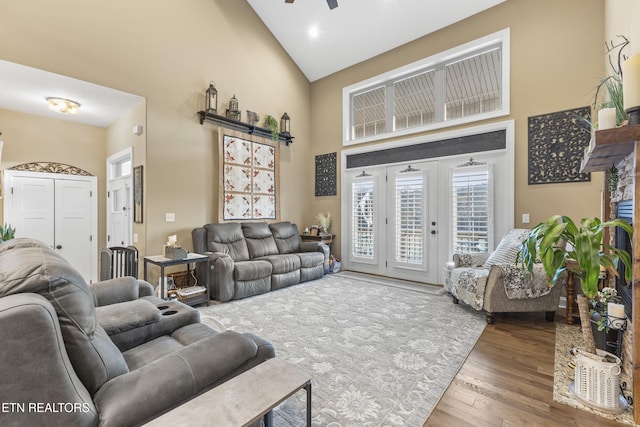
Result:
252,258
108,354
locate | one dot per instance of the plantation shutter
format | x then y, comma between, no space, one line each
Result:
409,202
363,219
472,208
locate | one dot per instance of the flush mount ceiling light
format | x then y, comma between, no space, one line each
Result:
332,3
62,105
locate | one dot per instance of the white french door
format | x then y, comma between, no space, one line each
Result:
393,222
412,238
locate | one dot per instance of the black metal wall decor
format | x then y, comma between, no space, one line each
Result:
326,174
557,142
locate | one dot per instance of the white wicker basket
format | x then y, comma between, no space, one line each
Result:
598,383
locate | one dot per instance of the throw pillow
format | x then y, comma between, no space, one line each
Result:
508,248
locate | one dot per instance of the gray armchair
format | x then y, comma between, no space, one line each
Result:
494,283
108,354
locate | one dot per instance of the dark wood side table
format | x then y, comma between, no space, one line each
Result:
163,262
572,307
326,239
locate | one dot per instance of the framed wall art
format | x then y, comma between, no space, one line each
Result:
250,181
326,174
137,195
557,142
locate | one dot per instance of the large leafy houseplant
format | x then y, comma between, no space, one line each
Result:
562,245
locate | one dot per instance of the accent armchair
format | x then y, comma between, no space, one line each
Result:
494,283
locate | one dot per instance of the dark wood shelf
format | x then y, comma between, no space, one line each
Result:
608,147
242,126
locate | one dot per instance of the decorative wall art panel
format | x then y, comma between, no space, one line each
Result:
556,146
326,174
250,179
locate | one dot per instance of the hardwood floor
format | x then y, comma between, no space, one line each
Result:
507,380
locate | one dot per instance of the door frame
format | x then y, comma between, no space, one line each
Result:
125,154
504,171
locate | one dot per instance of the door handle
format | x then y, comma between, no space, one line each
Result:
59,247
433,231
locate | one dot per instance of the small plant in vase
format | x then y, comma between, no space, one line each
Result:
272,124
7,232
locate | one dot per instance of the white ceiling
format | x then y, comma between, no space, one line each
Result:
351,33
357,29
25,89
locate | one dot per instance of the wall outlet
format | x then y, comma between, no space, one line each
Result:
526,219
170,217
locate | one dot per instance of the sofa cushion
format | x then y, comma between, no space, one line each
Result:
283,263
30,266
124,316
286,237
252,270
228,239
259,239
310,259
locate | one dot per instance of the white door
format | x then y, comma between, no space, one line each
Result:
59,210
393,225
412,233
119,212
31,200
366,225
120,199
73,223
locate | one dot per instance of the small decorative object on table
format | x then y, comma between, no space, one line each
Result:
325,222
172,251
233,112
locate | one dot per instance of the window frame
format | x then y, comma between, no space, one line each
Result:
483,167
388,79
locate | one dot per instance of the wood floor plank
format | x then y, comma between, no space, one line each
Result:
507,380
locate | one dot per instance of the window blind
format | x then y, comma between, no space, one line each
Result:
362,219
409,202
471,209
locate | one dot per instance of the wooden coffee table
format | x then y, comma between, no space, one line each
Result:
243,399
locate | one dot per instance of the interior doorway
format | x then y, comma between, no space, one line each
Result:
120,199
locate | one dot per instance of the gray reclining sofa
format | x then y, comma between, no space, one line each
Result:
252,258
108,354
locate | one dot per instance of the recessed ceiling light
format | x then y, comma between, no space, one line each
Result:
62,105
314,31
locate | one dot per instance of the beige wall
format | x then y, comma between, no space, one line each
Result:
168,52
30,138
120,136
556,59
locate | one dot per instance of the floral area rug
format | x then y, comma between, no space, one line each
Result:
377,355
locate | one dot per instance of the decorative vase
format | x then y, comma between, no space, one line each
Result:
597,383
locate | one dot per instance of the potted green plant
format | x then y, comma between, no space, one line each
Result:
272,124
562,245
7,232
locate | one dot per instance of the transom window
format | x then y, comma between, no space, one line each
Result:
465,84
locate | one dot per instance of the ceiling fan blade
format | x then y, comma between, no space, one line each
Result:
289,1
332,4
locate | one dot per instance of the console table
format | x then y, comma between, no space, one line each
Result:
243,399
326,239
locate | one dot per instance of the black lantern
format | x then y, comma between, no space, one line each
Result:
233,112
212,99
285,124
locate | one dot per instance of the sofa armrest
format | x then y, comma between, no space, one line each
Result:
222,287
470,259
118,290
